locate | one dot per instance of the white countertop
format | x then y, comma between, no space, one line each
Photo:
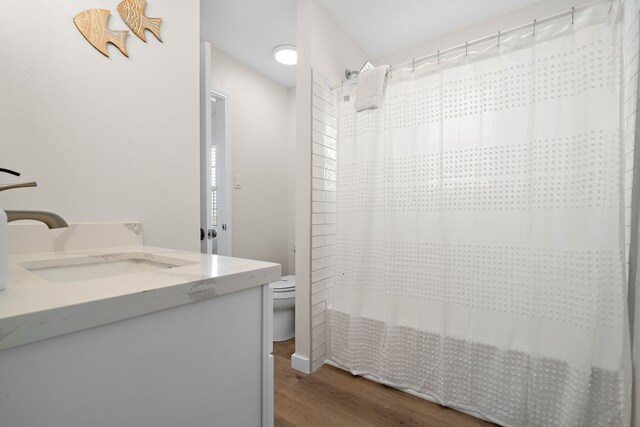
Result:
33,309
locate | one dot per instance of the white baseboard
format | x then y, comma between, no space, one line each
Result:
300,363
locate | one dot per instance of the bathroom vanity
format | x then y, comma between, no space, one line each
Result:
97,329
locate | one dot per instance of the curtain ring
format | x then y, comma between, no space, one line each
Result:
534,28
466,48
573,10
498,38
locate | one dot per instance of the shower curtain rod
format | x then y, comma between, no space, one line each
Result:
571,12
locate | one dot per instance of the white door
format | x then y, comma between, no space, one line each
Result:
205,142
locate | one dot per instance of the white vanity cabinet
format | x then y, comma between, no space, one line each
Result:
201,364
185,345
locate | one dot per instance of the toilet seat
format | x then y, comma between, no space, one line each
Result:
286,285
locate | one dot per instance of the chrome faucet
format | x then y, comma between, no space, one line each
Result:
50,219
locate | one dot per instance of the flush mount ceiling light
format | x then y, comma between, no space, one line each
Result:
286,54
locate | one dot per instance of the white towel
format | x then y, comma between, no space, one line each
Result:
370,88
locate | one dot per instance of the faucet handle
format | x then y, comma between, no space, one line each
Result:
20,185
9,171
12,186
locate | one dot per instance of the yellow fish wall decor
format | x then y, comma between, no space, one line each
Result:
132,11
92,24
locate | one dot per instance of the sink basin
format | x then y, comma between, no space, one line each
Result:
100,266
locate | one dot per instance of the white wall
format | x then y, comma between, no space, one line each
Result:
520,17
324,46
106,138
259,140
291,177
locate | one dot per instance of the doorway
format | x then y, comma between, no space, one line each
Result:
218,179
215,197
215,203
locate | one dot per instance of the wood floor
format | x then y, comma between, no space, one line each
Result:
333,397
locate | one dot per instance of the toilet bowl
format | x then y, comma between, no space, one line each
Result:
284,303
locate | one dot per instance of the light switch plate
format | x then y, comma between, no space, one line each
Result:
236,182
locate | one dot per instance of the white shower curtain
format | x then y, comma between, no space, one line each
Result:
480,229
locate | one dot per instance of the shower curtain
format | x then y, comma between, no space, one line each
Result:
480,228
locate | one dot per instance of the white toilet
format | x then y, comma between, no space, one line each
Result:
284,308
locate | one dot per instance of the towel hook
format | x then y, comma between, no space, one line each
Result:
466,48
573,11
534,28
498,38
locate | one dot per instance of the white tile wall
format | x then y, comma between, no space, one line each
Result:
323,211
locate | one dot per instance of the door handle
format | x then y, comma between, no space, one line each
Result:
201,234
212,233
